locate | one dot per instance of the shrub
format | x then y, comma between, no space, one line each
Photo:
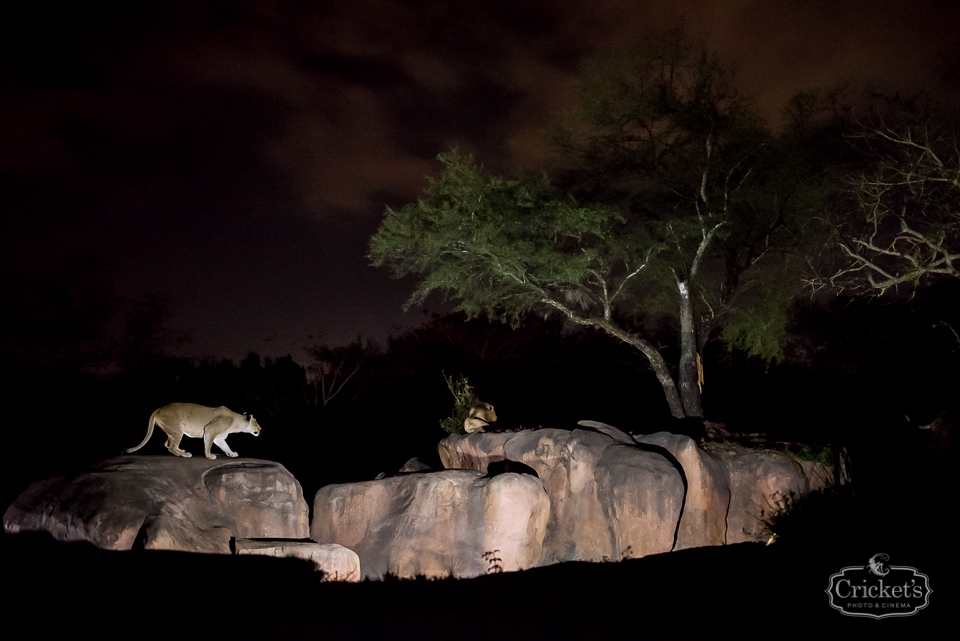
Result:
463,399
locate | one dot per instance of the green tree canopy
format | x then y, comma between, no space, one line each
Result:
682,201
505,247
662,134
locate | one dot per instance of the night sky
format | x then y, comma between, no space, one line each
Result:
237,156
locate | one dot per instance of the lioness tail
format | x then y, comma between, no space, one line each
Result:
150,424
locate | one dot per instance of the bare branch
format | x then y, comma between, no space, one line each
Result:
702,248
909,200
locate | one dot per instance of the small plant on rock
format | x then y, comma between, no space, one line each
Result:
494,561
823,454
463,399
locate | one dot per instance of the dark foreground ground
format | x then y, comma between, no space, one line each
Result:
747,591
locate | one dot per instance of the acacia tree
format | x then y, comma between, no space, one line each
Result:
899,224
662,134
678,199
505,247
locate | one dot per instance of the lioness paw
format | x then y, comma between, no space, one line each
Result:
232,454
211,456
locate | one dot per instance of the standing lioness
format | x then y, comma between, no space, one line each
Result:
211,423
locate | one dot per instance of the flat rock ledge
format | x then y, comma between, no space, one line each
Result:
335,561
165,503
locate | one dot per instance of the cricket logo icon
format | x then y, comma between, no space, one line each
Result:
878,590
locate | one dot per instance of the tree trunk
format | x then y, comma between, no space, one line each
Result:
659,366
689,387
666,381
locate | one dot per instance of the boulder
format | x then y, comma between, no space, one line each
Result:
335,561
734,490
608,500
164,502
613,432
615,496
435,524
415,465
474,451
708,490
762,482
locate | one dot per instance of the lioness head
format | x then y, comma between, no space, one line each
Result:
484,411
252,427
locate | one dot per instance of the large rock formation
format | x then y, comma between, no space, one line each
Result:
762,482
614,496
601,495
708,490
608,500
435,524
163,502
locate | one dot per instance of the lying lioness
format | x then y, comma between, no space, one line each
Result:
211,423
481,415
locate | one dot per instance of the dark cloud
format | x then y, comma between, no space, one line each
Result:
239,154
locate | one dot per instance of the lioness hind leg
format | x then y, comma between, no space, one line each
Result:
173,444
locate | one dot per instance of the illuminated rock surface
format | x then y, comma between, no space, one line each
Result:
611,500
335,561
167,503
435,524
762,482
708,490
608,500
